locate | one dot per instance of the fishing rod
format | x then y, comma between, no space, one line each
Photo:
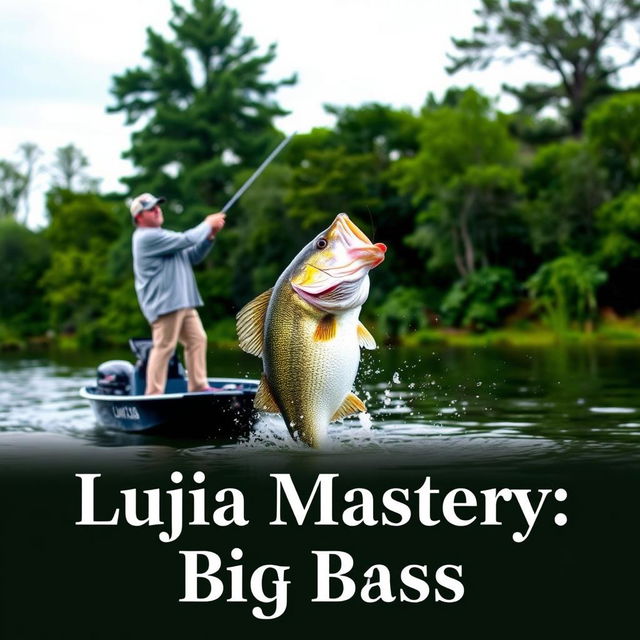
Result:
256,173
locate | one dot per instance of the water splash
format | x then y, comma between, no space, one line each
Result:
410,404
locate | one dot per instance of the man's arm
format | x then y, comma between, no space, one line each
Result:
199,251
161,242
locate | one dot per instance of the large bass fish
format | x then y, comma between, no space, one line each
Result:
307,332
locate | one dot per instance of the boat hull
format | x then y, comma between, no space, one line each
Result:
227,413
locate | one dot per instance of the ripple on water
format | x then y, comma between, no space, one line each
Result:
612,410
411,412
43,398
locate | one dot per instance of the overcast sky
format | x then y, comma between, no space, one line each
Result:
57,59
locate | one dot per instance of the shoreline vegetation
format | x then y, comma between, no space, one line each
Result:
618,331
518,228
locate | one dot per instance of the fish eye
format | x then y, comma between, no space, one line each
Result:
321,243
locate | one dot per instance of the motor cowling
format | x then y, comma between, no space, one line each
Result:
115,377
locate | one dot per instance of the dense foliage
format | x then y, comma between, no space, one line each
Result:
206,108
484,226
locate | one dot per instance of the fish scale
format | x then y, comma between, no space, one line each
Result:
307,332
323,375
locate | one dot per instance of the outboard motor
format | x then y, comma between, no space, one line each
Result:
115,378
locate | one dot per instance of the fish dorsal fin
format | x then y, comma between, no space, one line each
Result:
365,339
264,399
326,329
350,405
250,324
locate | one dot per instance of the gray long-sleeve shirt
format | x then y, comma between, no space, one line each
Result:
162,265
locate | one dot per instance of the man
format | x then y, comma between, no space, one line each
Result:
167,290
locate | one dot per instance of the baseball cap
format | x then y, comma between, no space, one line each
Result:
144,202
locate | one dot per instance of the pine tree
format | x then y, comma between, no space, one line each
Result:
206,107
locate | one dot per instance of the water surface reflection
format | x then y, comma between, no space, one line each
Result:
450,404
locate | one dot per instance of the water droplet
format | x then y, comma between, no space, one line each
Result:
365,420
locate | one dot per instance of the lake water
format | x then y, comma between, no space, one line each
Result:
565,421
476,405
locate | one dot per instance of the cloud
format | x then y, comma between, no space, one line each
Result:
57,60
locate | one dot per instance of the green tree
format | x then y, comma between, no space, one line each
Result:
75,218
264,239
68,170
482,299
16,180
30,154
613,132
466,184
24,256
565,187
618,252
350,168
619,225
564,290
205,106
346,168
328,179
583,43
613,135
404,310
82,230
12,186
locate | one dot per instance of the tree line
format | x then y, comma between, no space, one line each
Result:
526,218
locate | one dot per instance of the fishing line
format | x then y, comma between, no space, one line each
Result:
373,225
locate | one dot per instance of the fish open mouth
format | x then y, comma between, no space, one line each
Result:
371,255
340,295
346,258
315,281
306,293
326,286
343,223
360,258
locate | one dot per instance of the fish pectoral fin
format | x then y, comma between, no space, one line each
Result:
326,329
350,405
250,324
264,399
365,339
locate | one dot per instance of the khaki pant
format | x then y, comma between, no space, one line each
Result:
184,326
